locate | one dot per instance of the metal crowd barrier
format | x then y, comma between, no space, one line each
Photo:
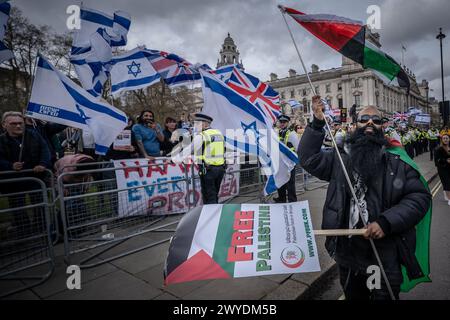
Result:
49,180
91,217
26,248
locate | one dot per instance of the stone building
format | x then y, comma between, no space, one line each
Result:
229,54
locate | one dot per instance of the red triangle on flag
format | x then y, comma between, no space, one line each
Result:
334,34
198,267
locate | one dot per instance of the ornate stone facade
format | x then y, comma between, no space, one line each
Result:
229,54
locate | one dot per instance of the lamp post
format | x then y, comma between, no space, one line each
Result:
440,37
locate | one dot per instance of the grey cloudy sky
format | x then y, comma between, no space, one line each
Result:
195,30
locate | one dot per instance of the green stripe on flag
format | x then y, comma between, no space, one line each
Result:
377,60
223,237
422,231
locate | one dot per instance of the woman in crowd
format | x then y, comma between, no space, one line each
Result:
442,161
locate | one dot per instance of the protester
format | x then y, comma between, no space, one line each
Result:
390,193
290,139
124,152
299,131
148,135
23,149
48,132
170,125
75,184
442,161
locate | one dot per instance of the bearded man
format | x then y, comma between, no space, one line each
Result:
392,198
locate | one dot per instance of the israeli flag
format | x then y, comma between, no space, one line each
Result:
56,98
5,53
116,27
132,70
247,130
93,66
295,104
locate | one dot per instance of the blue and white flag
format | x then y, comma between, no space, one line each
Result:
5,53
247,130
132,70
116,27
56,98
93,67
295,104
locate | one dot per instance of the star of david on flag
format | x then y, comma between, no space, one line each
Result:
134,68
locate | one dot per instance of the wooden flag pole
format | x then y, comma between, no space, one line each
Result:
347,177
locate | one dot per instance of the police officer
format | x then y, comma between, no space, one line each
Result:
433,139
290,139
210,157
390,133
339,134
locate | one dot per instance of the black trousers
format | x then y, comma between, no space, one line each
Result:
410,150
433,145
289,188
210,182
354,285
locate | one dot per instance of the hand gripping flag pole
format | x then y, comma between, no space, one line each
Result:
375,251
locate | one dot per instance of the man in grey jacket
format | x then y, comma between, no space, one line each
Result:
393,201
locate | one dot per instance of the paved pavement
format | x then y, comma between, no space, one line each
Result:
140,275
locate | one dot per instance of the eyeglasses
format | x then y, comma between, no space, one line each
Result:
15,124
375,119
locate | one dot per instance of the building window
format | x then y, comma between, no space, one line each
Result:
339,86
327,88
317,90
357,84
304,92
292,94
340,103
376,83
377,100
358,100
282,95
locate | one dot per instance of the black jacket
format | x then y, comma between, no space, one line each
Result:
440,158
397,201
47,132
35,151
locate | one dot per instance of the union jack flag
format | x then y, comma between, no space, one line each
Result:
400,117
258,93
173,69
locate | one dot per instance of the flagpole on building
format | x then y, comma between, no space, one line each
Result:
347,177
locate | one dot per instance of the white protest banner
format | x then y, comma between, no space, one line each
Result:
161,188
122,140
242,240
423,118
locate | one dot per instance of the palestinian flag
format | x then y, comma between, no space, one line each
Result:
422,231
226,241
348,37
